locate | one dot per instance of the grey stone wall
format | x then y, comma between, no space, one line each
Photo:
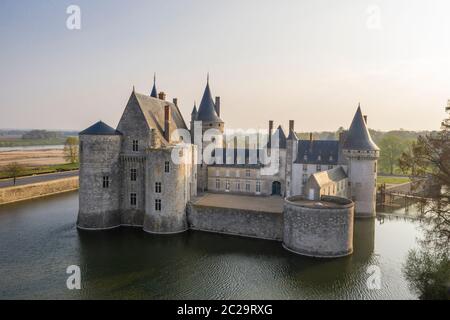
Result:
319,232
35,190
264,225
98,206
175,192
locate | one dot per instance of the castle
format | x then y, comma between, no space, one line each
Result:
128,176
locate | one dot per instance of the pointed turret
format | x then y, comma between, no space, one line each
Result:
207,109
358,136
154,92
194,112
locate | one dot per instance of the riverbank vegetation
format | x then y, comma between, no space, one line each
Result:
24,138
428,268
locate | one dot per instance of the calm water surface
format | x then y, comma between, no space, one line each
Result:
38,240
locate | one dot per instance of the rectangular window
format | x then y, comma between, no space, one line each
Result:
305,167
166,166
157,204
157,187
217,184
133,199
135,145
318,168
258,186
227,185
247,173
238,185
133,174
330,167
247,186
105,182
375,167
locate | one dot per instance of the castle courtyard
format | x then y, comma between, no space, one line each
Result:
272,204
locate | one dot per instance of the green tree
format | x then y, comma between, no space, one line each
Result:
71,150
13,170
427,269
391,148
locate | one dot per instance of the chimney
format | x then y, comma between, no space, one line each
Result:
310,141
217,104
291,126
161,96
175,101
167,122
270,132
365,119
310,137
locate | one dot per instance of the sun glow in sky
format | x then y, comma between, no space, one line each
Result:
311,61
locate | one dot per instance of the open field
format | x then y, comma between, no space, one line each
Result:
32,157
36,161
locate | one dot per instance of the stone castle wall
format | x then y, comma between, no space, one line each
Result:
248,223
319,231
35,190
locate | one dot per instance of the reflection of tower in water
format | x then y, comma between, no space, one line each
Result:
364,238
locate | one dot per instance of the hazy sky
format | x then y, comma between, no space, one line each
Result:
311,61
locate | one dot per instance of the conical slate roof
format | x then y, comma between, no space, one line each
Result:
194,112
100,128
207,110
154,92
358,136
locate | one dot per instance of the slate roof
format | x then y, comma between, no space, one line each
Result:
153,110
281,136
358,136
325,177
207,109
154,92
318,152
100,128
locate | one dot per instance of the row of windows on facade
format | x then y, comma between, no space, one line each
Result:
133,175
238,185
133,202
227,173
319,158
158,185
318,167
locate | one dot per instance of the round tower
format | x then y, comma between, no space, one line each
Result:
362,155
99,192
209,115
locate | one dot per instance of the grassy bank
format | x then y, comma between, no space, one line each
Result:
19,142
29,171
392,180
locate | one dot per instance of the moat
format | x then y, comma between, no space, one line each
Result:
39,240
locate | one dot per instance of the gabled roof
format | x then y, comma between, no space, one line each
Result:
100,128
292,135
325,177
318,152
153,111
207,109
281,138
358,136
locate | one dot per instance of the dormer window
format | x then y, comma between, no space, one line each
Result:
305,157
319,158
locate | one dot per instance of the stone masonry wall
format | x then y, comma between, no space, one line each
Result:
265,225
29,191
